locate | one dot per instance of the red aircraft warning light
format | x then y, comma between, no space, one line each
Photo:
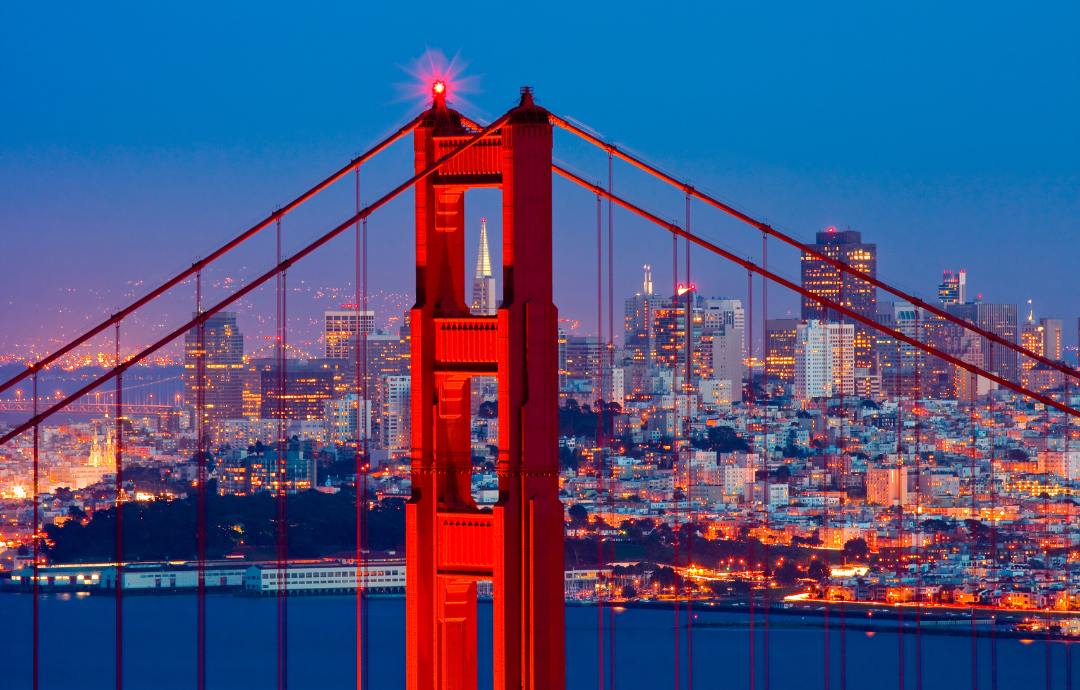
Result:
438,88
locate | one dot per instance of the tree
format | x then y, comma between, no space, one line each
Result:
579,517
788,573
628,592
856,549
666,577
488,410
1017,455
817,570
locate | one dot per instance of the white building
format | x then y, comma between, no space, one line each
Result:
341,419
728,359
396,436
382,576
824,360
1062,463
340,326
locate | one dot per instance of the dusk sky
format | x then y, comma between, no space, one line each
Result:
136,138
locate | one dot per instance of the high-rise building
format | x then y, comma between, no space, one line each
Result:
728,362
824,280
824,360
397,401
483,285
562,360
638,317
780,349
999,319
308,387
953,288
1051,338
340,327
905,369
343,419
583,357
1033,340
223,366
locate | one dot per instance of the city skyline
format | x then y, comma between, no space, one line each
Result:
832,167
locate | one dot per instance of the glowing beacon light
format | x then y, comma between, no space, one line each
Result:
438,88
832,229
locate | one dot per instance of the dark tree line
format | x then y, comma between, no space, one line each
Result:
319,524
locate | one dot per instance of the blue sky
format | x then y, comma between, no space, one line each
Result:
137,137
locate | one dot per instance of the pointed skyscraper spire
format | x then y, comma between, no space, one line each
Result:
483,259
483,291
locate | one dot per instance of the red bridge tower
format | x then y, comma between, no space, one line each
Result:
451,543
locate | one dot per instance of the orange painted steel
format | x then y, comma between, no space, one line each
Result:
450,542
839,265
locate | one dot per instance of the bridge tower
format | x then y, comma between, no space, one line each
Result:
451,544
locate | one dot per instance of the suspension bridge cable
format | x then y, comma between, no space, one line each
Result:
200,493
824,301
216,254
808,249
140,355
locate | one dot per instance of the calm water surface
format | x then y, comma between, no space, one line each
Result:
77,651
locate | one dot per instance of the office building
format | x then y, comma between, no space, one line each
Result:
728,363
397,392
824,280
223,365
483,286
953,288
824,360
1051,338
583,358
343,419
999,319
887,486
308,386
638,319
340,327
780,349
563,373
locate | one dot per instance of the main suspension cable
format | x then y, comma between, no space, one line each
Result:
214,255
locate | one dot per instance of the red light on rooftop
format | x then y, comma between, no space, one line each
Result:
832,229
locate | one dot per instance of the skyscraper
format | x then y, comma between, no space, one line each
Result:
857,295
340,326
483,285
1051,338
953,288
824,360
223,362
780,348
639,318
999,319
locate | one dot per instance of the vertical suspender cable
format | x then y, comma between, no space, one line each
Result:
120,500
918,508
367,471
611,411
200,493
37,540
282,484
361,451
675,450
767,572
901,492
993,527
599,378
1046,558
843,514
749,320
688,319
974,387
